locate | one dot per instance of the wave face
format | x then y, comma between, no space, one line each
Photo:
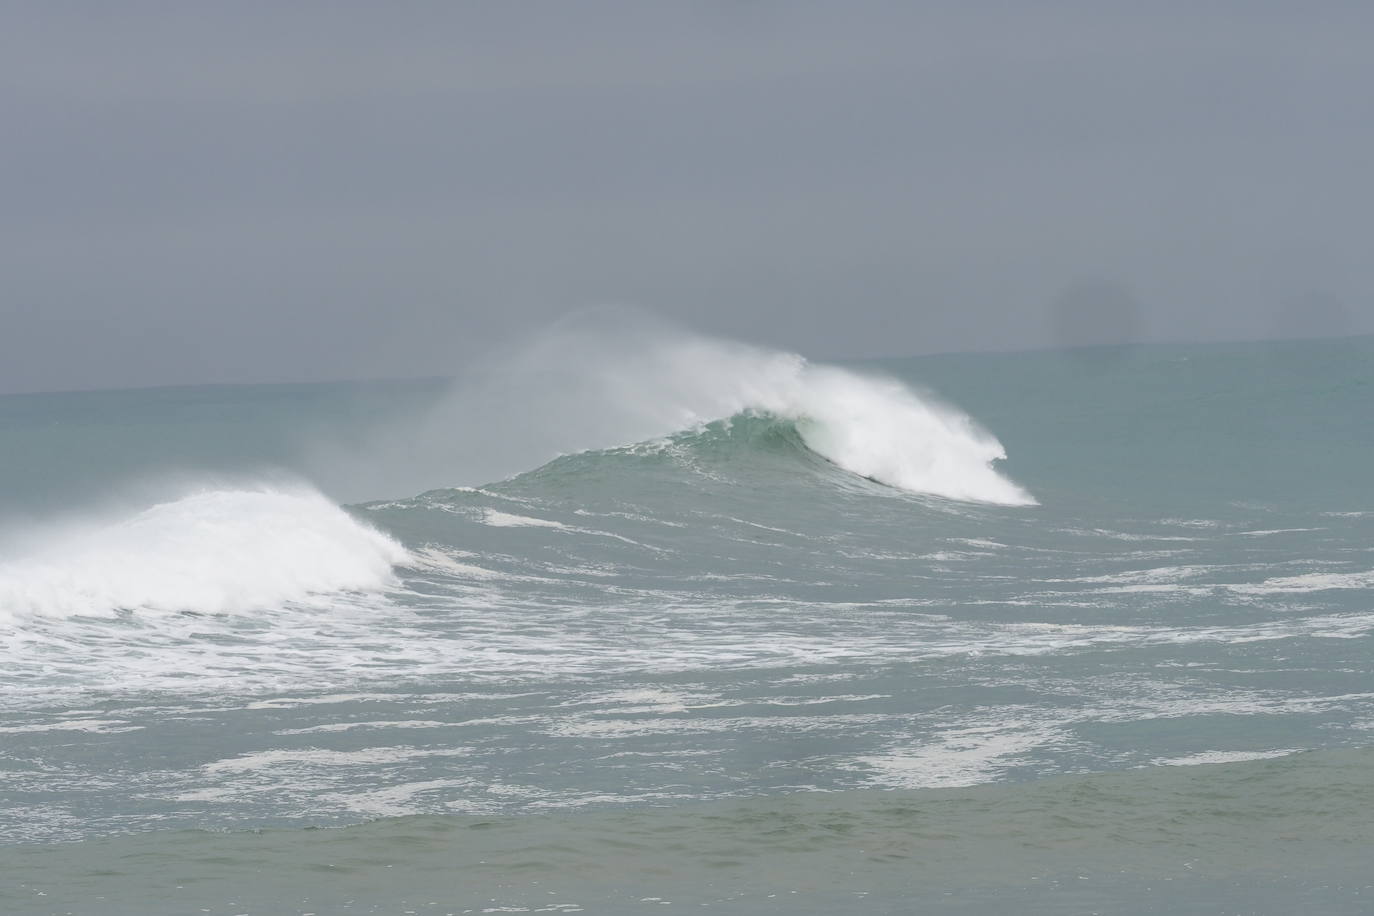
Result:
217,551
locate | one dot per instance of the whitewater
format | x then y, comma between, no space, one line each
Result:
835,633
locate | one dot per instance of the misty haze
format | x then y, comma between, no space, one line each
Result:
769,457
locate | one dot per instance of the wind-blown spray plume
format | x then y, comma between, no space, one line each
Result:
612,377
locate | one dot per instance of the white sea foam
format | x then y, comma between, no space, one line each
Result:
1208,757
214,551
1309,582
962,756
351,726
507,520
93,726
394,801
311,757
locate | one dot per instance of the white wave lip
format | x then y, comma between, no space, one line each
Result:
872,426
216,551
646,382
880,429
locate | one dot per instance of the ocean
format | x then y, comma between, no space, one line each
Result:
624,623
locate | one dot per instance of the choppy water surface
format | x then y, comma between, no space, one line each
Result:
777,629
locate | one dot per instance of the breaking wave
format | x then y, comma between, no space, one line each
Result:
216,551
879,429
608,379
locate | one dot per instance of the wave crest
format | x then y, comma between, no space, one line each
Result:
606,378
648,382
880,429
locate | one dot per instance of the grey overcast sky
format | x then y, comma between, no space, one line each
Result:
226,192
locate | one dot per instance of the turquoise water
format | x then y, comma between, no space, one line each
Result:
768,636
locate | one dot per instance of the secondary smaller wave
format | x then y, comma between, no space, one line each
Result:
215,551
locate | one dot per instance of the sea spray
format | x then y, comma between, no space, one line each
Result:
612,377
